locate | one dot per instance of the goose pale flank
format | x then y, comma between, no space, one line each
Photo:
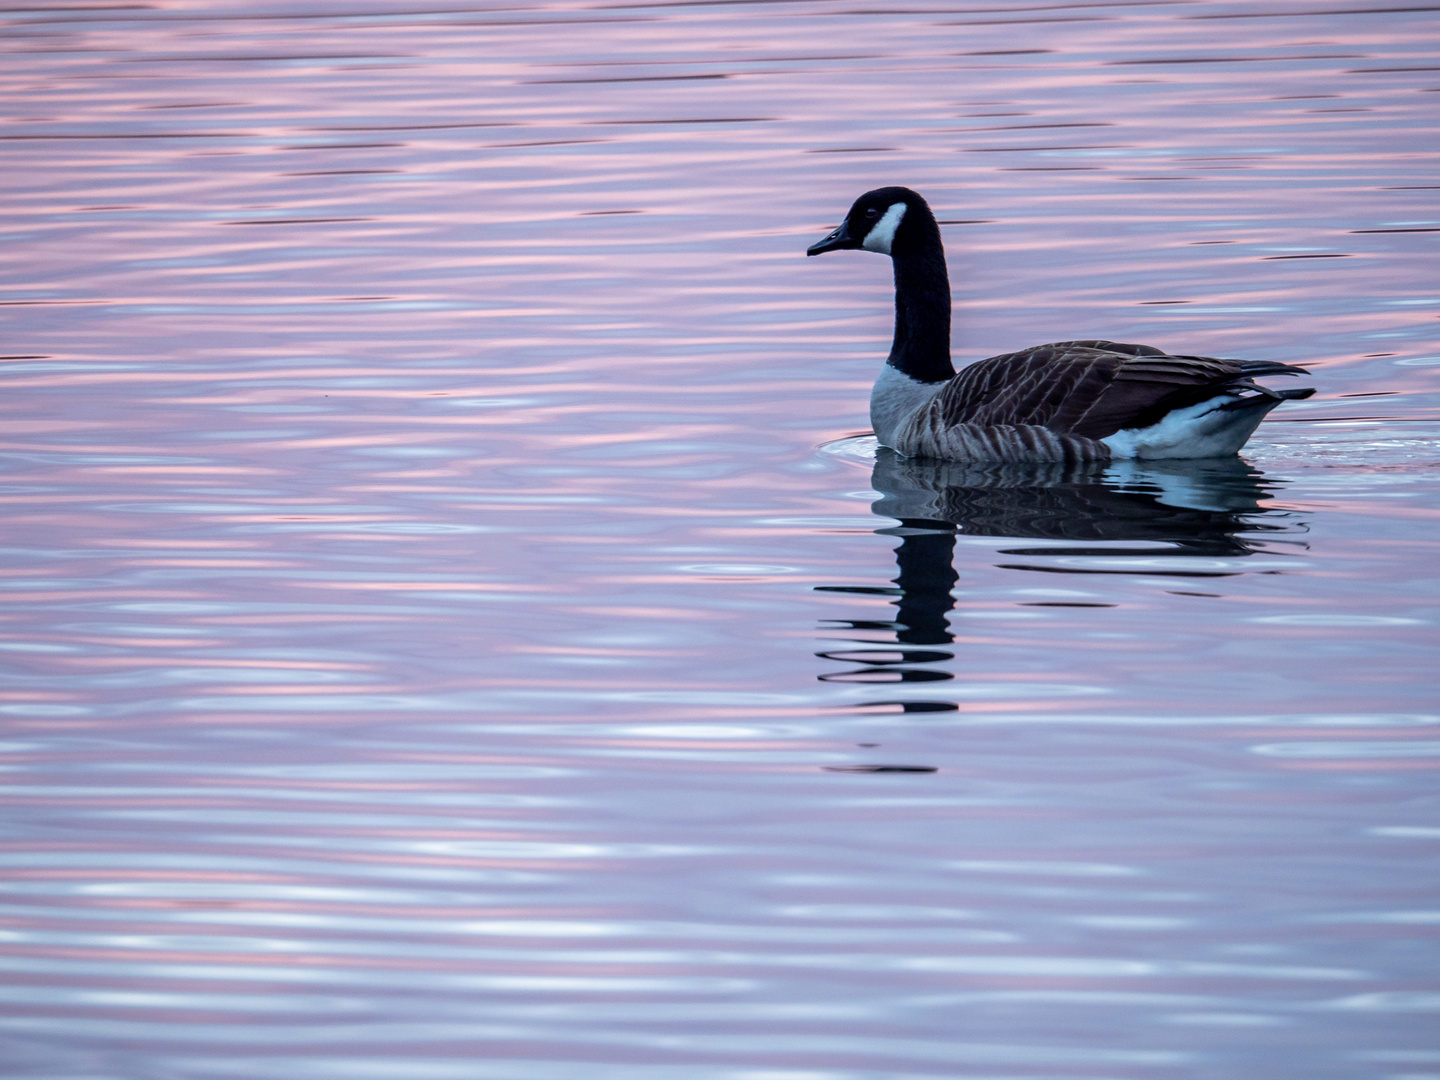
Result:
1073,401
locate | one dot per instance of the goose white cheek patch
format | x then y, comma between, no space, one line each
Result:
883,234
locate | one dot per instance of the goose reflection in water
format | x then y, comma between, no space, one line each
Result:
1177,509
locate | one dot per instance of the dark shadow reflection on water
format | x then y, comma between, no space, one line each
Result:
1176,516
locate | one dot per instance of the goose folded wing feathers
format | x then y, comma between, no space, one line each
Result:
1050,386
1092,389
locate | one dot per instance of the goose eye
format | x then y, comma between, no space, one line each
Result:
872,213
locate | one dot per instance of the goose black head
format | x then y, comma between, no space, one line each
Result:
880,221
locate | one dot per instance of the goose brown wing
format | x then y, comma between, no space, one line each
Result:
1049,385
1091,388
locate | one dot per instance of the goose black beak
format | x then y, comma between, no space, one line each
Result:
836,241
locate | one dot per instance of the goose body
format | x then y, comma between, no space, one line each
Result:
1073,401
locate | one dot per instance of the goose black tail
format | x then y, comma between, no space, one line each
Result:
1255,369
1265,397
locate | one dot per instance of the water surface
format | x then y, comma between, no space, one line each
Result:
459,630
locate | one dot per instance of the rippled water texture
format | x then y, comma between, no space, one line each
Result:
458,629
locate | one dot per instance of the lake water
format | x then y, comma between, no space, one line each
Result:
458,630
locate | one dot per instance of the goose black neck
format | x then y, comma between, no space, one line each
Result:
922,307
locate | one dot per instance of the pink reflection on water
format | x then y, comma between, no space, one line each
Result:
436,353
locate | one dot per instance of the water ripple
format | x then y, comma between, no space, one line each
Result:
458,625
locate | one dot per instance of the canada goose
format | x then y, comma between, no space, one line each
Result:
1073,401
